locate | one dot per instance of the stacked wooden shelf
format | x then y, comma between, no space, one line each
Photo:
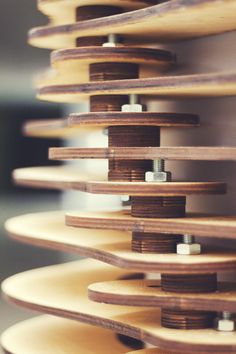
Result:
104,55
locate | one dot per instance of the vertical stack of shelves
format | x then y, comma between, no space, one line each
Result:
106,55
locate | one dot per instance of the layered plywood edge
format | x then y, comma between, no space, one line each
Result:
213,226
182,86
53,335
148,293
71,66
56,290
172,20
201,153
70,178
63,11
113,247
55,128
82,123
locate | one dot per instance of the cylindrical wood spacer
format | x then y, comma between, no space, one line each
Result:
158,207
85,13
189,283
107,103
131,170
147,242
184,319
113,71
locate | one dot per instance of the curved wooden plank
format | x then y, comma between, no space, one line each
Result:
62,290
69,178
71,66
113,247
83,123
197,85
161,119
148,293
50,335
201,153
172,20
63,11
193,224
55,128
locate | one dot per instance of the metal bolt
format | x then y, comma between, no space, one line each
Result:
188,239
225,323
133,106
158,174
188,246
159,165
112,41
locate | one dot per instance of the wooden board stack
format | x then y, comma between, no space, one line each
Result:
104,54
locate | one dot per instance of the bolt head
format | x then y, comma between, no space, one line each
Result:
132,108
188,249
157,176
225,325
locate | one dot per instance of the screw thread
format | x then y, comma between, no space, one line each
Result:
159,165
188,239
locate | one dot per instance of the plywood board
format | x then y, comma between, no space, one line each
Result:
113,247
148,293
191,153
173,20
63,11
83,123
55,128
182,86
62,290
50,335
71,178
72,66
193,224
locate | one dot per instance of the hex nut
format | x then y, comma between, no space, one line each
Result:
225,325
188,249
157,176
136,107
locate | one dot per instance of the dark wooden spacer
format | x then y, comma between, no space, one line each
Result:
158,207
148,242
107,103
113,71
85,13
189,283
184,319
131,136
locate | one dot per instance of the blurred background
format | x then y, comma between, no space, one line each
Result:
19,63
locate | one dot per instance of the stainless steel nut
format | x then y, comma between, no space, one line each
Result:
225,325
157,176
136,107
188,248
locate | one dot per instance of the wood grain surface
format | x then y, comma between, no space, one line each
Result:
50,335
200,153
193,224
182,86
148,293
161,119
83,123
113,247
70,178
63,11
62,290
72,66
172,20
55,128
